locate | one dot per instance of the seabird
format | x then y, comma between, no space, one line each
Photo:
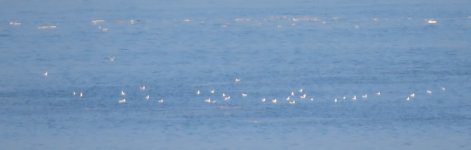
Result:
15,23
303,96
429,92
122,101
292,102
208,100
432,21
98,21
237,80
143,88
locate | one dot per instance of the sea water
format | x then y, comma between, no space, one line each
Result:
330,49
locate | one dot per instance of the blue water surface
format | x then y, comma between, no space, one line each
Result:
330,49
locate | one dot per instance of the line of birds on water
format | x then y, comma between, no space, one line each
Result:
100,23
294,95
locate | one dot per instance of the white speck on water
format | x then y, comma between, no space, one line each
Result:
47,27
98,21
432,21
429,92
122,101
14,23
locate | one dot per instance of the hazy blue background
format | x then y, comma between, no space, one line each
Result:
344,52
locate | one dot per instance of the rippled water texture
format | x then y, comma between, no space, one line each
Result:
415,53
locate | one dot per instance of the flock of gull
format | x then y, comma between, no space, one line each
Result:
291,20
213,97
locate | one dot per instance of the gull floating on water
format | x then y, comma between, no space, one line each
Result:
98,21
344,97
161,101
288,98
378,93
292,93
198,92
81,94
354,97
208,100
15,23
412,95
408,98
147,97
274,101
47,27
122,101
292,102
122,93
429,92
432,21
213,91
244,94
74,93
263,100
300,90
103,29
237,80
365,96
303,96
143,88
335,100
226,97
186,20
45,74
